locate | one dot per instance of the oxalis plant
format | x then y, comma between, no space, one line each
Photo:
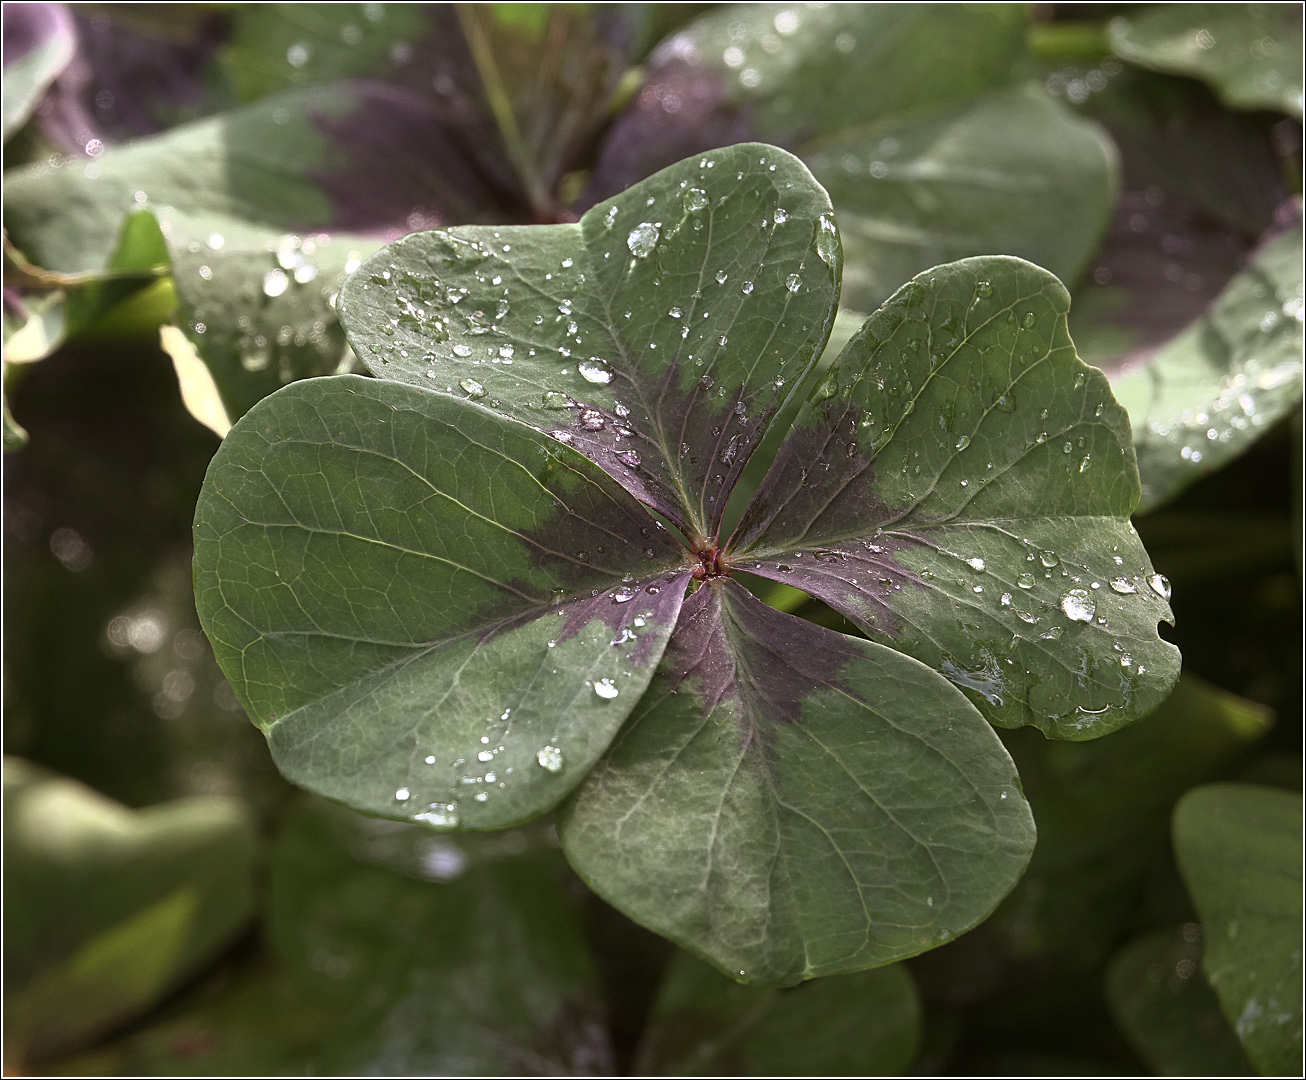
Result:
493,581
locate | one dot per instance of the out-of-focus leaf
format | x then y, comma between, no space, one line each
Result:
478,967
39,42
106,909
911,115
703,1024
433,612
1239,848
1250,53
1205,396
788,802
34,326
1102,810
658,335
199,393
15,435
1168,1011
959,485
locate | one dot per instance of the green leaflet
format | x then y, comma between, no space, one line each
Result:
1250,53
433,613
1239,849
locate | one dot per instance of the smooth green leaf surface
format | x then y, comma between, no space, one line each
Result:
433,612
703,1024
657,336
467,962
913,116
789,802
1239,848
39,43
1168,1011
959,484
1250,53
106,909
1211,391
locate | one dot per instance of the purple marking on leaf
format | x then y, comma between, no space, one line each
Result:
626,610
679,112
27,27
735,647
398,163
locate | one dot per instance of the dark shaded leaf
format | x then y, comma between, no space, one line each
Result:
1250,53
657,336
107,909
432,612
39,42
1211,391
788,802
703,1024
959,485
912,116
468,961
1239,848
1168,1011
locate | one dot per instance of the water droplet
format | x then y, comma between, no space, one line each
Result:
975,563
1078,606
721,276
675,313
642,238
1085,463
1160,585
1123,586
747,287
549,757
1049,558
595,370
1025,581
827,239
462,350
793,282
506,351
1028,321
695,199
403,795
606,688
275,282
623,596
781,215
473,388
963,442
442,815
591,420
629,458
983,288
610,217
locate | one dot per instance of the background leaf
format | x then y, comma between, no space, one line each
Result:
479,966
107,909
659,335
1239,848
38,44
1250,53
806,803
385,574
1159,998
913,117
959,484
866,1024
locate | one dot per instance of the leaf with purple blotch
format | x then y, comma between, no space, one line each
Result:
658,336
959,485
433,613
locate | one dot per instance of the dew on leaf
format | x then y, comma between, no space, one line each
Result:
606,688
1049,558
694,199
1123,586
462,350
1025,581
595,371
1078,606
472,387
642,239
550,758
793,282
1160,585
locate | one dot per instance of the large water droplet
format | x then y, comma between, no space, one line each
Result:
1025,581
606,688
549,757
793,282
1160,585
781,215
827,239
595,370
642,238
1078,606
976,563
1049,558
1123,586
462,350
473,388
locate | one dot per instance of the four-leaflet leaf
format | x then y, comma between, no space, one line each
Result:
436,594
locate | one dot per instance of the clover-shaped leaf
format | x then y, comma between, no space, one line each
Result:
439,595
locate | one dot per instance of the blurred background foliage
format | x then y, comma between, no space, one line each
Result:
186,185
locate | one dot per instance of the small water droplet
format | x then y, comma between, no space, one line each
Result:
462,350
976,563
1049,558
606,688
403,795
983,288
793,282
1085,463
1078,606
442,815
472,387
827,239
1028,321
550,758
746,287
1160,585
695,199
595,371
1025,581
721,276
629,458
963,442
